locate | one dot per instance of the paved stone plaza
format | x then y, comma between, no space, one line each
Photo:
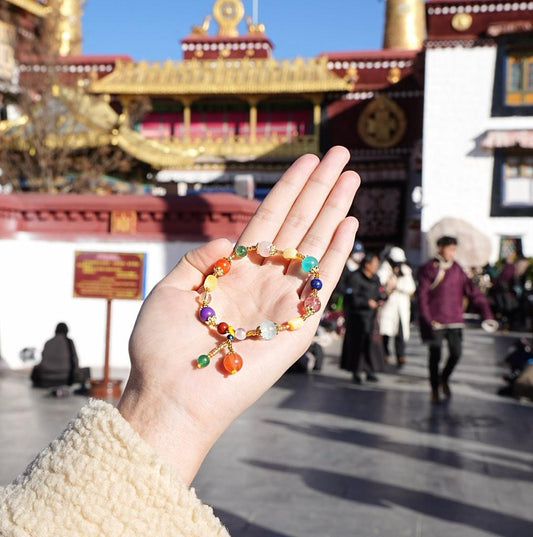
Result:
320,457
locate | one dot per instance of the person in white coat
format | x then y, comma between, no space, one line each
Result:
396,277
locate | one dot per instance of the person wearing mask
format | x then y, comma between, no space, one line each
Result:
442,285
361,302
396,277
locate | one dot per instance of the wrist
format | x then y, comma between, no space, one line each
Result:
167,429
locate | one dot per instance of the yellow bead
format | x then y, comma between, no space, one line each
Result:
290,253
231,330
295,323
210,282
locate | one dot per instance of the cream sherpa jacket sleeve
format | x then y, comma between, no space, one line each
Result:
99,478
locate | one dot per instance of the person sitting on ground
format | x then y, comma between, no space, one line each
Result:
59,365
127,470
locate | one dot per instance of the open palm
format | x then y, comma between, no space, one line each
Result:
306,210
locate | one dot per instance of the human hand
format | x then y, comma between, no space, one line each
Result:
490,325
373,304
181,410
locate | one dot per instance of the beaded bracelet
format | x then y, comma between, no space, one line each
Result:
267,329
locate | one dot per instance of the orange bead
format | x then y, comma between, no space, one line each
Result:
223,265
232,362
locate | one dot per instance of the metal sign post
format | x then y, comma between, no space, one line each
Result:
109,275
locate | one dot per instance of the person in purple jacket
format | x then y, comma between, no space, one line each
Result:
442,285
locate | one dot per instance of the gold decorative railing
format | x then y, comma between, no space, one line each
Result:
243,145
165,153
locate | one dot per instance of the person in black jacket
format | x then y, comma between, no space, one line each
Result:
59,365
361,302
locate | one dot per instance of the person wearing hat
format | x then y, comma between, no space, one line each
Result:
396,277
442,285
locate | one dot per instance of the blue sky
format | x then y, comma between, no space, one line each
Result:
152,29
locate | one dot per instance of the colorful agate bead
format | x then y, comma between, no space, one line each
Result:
232,362
316,283
309,262
241,251
202,361
206,313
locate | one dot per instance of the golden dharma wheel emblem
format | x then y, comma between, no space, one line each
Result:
382,123
461,21
228,14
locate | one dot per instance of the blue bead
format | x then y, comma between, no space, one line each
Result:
316,284
309,262
230,337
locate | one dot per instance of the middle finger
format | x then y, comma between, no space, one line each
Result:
312,198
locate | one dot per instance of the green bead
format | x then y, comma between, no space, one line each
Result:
241,251
309,262
203,360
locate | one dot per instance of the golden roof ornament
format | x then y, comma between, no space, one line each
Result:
254,28
405,24
201,29
461,22
64,26
228,14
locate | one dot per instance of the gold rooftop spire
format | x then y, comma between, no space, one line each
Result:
405,24
64,25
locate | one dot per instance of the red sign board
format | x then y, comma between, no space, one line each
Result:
109,275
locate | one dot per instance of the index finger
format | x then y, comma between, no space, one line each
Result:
267,221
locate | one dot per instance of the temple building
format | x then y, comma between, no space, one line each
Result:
229,116
478,120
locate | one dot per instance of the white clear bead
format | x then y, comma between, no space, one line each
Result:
240,334
263,248
268,329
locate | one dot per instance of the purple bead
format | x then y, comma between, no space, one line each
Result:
206,312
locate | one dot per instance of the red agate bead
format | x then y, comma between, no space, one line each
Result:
223,265
232,362
222,328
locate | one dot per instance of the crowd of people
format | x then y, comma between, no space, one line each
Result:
379,291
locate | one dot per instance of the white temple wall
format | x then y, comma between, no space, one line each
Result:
457,173
36,292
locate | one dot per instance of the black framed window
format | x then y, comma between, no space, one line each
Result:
512,187
513,79
519,80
